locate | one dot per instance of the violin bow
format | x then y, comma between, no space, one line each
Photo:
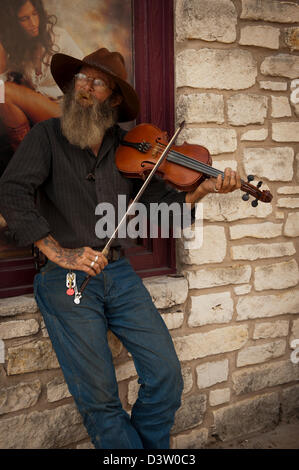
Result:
105,251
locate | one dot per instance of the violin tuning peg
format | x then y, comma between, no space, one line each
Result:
259,184
250,178
245,197
254,203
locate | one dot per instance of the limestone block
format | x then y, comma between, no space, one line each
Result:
203,19
275,163
133,389
288,190
280,107
167,291
125,371
294,330
285,131
212,250
190,414
255,135
20,396
216,140
279,215
291,228
47,429
217,397
211,308
173,320
216,341
30,357
276,276
211,373
244,109
261,353
230,206
260,36
196,439
17,305
261,230
260,306
290,403
274,86
114,344
222,164
200,107
57,389
257,378
212,277
270,10
225,69
85,445
295,107
291,38
262,250
15,329
281,65
297,165
260,413
187,378
288,202
271,329
241,290
44,329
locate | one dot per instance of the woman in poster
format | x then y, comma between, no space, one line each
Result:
28,39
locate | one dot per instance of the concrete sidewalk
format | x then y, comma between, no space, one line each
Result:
284,436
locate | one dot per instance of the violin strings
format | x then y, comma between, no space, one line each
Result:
192,163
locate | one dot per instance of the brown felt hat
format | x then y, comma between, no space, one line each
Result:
64,67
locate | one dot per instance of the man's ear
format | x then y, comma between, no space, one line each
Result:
116,100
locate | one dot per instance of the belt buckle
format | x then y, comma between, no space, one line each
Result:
115,254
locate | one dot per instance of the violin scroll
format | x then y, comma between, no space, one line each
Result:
264,196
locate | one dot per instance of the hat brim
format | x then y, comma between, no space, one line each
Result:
64,67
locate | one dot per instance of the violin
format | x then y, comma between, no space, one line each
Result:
185,166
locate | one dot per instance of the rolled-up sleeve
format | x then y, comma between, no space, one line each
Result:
26,171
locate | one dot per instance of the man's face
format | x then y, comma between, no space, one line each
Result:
86,89
89,108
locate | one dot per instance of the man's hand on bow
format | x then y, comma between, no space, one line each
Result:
83,259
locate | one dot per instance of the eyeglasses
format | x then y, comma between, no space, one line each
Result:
96,83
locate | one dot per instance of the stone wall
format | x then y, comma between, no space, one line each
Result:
236,62
234,309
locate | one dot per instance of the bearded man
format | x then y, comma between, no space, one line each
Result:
69,162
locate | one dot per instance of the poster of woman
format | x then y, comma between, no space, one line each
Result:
31,31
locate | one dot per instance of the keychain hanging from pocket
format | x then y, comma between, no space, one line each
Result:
71,283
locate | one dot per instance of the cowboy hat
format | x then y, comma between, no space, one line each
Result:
64,67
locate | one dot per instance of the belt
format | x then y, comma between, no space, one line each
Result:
114,254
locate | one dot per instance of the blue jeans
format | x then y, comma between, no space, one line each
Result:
115,299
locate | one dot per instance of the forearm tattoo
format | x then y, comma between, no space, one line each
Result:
64,255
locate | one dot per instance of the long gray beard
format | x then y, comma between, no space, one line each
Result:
85,126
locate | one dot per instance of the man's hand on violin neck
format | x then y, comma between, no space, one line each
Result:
83,259
229,183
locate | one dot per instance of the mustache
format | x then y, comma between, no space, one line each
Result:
86,96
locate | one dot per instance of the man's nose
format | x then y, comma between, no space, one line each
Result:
88,85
